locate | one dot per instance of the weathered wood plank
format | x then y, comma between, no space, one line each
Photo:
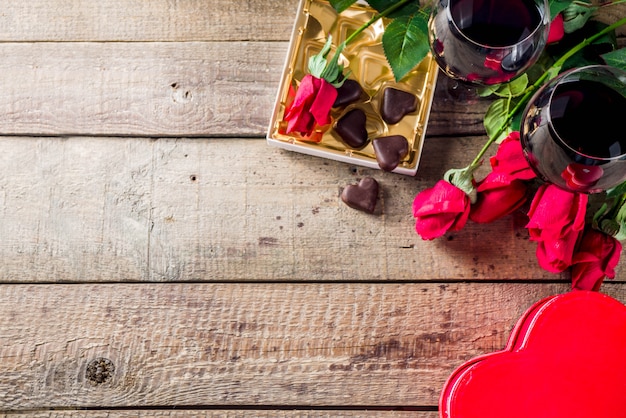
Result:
175,89
224,413
248,344
156,20
132,209
161,20
160,89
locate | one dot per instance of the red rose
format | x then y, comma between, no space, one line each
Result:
439,209
503,191
596,258
557,219
498,195
557,30
510,159
311,106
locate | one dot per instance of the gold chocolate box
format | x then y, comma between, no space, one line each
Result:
365,59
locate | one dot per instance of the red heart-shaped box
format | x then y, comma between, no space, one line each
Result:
565,358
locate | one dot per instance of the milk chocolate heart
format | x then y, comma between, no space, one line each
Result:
390,150
396,104
349,92
351,128
361,196
565,358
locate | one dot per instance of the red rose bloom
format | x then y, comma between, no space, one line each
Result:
596,258
439,209
557,219
510,159
504,190
498,195
311,106
557,30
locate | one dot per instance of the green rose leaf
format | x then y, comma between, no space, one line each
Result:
513,88
616,191
557,6
341,5
495,117
616,58
405,42
576,15
486,91
409,9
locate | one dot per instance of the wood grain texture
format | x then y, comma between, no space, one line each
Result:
162,20
160,89
139,21
246,344
150,89
133,209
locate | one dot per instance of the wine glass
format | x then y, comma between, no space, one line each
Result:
485,42
572,130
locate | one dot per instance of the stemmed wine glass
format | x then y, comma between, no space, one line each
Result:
573,132
488,42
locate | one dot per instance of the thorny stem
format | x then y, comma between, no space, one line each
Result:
552,71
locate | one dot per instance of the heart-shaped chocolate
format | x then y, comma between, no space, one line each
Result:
565,358
390,150
396,104
349,92
361,196
351,128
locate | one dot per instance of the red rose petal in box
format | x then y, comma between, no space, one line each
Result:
565,358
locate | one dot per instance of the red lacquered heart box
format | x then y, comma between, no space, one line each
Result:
566,357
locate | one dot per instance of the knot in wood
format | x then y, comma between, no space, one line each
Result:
100,370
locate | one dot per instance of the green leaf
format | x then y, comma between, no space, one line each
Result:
513,88
486,91
576,15
616,58
341,5
516,122
495,117
616,191
557,6
405,42
409,9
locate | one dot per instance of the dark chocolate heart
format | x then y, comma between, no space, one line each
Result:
396,104
361,196
351,128
390,150
349,92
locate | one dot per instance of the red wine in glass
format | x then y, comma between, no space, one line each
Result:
488,41
573,129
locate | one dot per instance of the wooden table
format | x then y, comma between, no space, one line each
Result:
158,258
